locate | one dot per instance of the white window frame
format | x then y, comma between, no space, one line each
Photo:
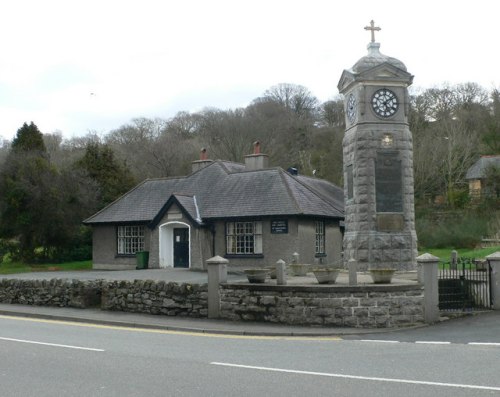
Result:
320,238
130,239
244,238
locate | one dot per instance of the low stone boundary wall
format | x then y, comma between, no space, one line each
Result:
138,296
55,292
367,306
155,297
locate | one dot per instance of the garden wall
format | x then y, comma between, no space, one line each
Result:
350,306
138,296
55,292
155,297
367,306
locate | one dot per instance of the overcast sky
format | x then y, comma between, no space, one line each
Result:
80,66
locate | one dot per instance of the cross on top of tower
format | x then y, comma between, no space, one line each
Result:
373,28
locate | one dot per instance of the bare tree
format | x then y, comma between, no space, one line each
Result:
332,113
227,133
150,149
295,98
184,124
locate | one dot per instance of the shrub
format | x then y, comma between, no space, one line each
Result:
459,230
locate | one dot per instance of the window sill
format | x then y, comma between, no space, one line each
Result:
125,255
320,255
244,256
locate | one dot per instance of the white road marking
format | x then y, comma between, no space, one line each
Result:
52,344
393,380
422,342
428,342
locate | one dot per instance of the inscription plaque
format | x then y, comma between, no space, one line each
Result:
388,182
390,222
279,227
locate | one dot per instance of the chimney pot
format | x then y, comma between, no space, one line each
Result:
256,147
202,162
257,160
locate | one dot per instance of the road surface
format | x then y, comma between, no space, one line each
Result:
50,358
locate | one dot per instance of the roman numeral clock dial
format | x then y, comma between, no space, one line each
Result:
384,103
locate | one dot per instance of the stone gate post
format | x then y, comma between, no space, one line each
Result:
217,273
280,272
494,261
428,275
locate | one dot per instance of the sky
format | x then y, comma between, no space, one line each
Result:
76,67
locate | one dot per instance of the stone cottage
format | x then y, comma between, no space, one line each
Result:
477,173
249,213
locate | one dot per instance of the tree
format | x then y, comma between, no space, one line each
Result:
24,192
41,206
111,177
183,125
28,138
153,147
228,134
332,113
447,125
295,98
491,137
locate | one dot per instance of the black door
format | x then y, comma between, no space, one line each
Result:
181,247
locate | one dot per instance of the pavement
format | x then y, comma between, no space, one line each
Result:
148,321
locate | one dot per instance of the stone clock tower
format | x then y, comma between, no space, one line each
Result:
378,163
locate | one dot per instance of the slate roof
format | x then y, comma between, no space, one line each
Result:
225,190
478,169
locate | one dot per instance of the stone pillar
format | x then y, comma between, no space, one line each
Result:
217,273
428,275
454,260
280,272
494,261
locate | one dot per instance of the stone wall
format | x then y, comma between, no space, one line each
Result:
350,306
138,296
55,292
367,306
155,297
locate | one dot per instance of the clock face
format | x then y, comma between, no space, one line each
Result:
384,103
351,108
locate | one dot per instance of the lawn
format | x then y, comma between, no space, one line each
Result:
9,267
444,254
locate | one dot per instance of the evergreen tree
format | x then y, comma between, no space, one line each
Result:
112,178
28,138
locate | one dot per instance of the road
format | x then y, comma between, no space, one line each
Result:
50,358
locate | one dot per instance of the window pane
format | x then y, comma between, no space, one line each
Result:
130,239
243,237
320,237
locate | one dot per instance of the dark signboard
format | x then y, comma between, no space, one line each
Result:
388,182
279,226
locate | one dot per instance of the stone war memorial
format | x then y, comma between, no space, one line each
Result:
378,163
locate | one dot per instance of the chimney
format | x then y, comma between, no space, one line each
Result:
257,160
202,162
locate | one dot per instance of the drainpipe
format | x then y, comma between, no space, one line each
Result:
212,229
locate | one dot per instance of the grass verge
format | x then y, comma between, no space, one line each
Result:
17,267
444,254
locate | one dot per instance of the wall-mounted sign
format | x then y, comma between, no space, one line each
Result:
279,226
